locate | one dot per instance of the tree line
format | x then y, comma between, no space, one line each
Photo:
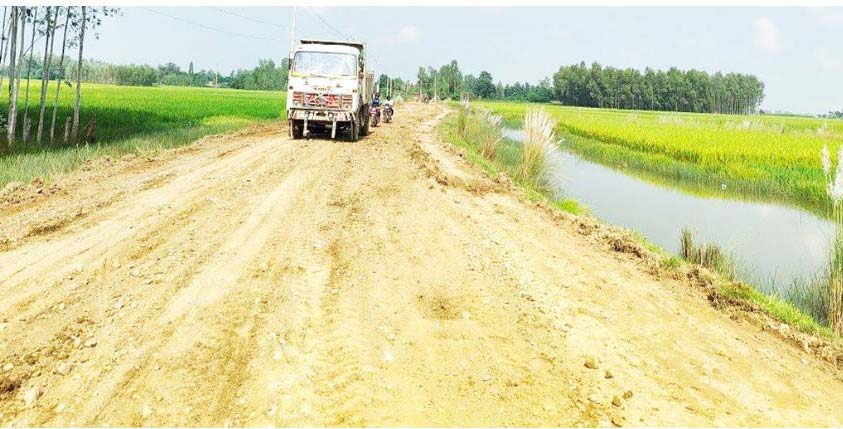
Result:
674,89
25,29
605,87
265,76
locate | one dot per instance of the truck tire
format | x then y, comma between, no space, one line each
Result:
354,131
364,115
296,129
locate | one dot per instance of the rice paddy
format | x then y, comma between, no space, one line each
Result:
776,157
131,119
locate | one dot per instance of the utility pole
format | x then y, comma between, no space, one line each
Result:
435,86
293,35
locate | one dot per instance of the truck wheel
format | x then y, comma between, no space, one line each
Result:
296,129
364,129
354,131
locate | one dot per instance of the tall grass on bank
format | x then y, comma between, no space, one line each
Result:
802,310
708,255
834,283
539,142
481,127
480,133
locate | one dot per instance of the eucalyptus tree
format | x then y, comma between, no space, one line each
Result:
4,39
26,120
50,32
67,15
78,101
674,89
18,23
89,19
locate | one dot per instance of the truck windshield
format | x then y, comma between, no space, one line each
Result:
325,64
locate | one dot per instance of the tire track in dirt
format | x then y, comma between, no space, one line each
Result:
176,243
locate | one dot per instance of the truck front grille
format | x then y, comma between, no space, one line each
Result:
312,99
321,100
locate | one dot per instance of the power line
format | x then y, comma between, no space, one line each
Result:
249,18
331,27
208,27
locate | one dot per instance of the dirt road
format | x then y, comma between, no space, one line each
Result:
254,280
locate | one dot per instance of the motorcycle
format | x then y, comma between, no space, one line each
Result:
375,115
387,113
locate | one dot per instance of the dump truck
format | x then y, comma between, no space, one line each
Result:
330,88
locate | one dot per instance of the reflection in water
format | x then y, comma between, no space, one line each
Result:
773,244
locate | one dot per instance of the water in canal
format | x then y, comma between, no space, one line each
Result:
772,244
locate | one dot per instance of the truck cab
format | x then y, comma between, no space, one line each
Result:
330,87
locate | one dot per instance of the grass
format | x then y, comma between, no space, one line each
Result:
131,120
774,156
799,310
473,130
707,255
776,308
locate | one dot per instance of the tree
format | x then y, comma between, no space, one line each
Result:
485,86
674,89
45,68
91,17
4,41
18,18
60,67
78,102
26,121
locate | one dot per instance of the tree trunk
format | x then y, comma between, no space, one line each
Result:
26,121
59,81
13,96
75,129
3,44
67,129
45,71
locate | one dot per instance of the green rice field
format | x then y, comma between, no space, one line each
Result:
764,155
128,120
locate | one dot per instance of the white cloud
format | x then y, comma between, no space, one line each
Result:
409,33
767,35
826,60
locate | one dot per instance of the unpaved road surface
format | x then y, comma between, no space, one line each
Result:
254,280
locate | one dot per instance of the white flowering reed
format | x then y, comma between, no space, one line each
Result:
489,134
539,142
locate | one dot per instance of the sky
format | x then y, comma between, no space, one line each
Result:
797,52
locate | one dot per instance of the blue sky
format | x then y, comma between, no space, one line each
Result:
797,52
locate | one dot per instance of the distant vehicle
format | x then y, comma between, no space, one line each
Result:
375,116
330,87
387,111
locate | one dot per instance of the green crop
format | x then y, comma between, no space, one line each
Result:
130,119
767,155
